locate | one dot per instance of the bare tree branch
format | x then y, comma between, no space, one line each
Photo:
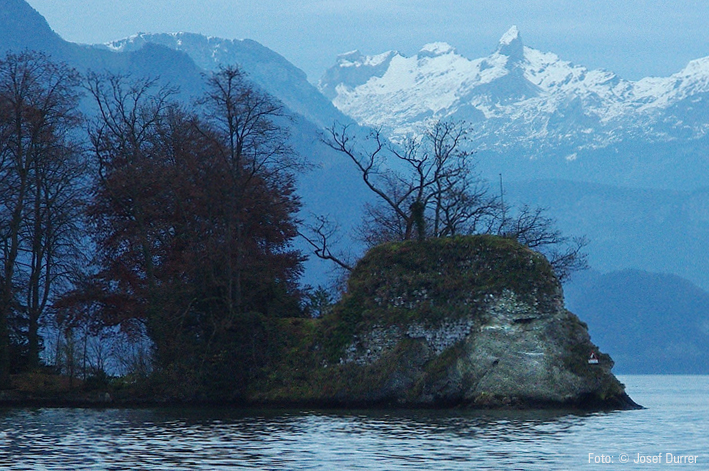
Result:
320,237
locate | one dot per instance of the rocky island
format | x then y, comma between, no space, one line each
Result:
471,321
474,321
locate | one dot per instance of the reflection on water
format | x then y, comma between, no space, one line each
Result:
200,438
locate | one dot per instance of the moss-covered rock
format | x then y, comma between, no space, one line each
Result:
475,320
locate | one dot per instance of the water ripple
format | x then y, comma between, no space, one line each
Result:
218,439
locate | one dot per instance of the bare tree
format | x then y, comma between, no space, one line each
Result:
533,228
428,187
53,236
39,175
322,236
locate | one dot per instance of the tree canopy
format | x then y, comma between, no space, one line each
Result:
187,213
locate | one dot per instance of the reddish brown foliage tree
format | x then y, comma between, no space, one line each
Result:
193,217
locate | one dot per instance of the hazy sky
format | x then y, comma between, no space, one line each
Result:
634,38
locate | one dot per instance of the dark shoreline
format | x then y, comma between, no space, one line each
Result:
104,399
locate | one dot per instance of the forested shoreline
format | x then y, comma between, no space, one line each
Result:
154,222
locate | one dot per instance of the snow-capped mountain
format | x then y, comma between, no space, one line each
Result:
266,68
520,100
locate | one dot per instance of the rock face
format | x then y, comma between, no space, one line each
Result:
477,321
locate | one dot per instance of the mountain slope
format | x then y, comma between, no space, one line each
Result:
534,106
650,323
22,27
655,230
271,71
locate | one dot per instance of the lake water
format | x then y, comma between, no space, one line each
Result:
675,422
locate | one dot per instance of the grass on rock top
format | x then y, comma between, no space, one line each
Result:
427,281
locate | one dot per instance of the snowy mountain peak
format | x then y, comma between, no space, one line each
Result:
510,36
436,49
353,69
697,67
511,45
357,59
349,59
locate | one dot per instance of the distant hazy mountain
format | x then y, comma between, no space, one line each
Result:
655,230
544,116
269,70
23,28
649,323
175,57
